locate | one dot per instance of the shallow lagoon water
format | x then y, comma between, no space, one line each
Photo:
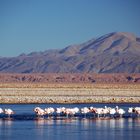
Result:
68,128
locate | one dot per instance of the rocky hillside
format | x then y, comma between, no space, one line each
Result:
116,52
54,78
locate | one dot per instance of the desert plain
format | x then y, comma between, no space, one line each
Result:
99,91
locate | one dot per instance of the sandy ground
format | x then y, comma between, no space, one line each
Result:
69,93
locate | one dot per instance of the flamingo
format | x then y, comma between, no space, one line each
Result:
112,112
99,111
68,111
131,111
105,111
49,111
92,110
84,111
60,110
76,110
72,111
8,112
120,111
137,110
1,111
39,111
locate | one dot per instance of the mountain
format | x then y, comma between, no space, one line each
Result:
116,52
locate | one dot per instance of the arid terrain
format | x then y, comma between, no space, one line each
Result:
104,70
60,88
56,78
116,52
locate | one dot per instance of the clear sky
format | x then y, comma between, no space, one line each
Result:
38,25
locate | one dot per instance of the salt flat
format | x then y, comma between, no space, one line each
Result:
70,93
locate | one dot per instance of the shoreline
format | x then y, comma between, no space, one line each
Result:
69,93
62,104
34,101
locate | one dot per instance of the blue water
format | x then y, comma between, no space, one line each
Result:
69,128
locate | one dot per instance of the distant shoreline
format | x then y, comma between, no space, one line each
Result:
20,93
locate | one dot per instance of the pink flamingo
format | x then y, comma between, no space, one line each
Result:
1,111
120,111
8,112
39,111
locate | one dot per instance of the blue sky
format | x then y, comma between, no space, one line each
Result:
38,25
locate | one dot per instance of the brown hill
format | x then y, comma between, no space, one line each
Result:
112,53
70,78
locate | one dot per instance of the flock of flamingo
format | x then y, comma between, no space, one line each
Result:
8,111
71,112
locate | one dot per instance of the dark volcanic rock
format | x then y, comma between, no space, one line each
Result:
112,53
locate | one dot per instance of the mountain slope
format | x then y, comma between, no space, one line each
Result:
116,52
